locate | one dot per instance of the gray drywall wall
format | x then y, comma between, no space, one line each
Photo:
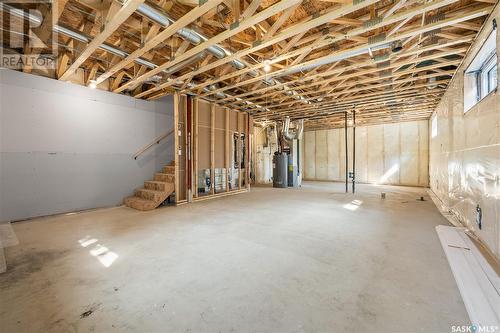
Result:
65,147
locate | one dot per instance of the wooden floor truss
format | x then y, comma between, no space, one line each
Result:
388,60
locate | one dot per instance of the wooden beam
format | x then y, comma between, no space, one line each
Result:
358,73
176,146
287,33
152,42
113,22
239,146
212,148
280,21
44,31
334,98
278,7
327,17
196,102
346,53
397,5
251,9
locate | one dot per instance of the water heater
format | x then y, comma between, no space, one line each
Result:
280,170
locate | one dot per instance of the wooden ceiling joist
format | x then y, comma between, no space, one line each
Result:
117,14
388,60
273,10
190,17
363,48
322,42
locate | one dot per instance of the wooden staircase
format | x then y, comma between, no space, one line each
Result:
154,191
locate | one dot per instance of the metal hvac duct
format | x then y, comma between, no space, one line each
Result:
77,35
34,18
295,133
192,36
334,58
162,19
196,38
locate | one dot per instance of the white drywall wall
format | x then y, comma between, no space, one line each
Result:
385,154
465,153
65,147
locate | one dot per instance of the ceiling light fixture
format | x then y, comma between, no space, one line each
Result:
267,66
93,84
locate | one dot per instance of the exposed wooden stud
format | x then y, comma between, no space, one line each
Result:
212,148
176,145
195,146
240,125
227,144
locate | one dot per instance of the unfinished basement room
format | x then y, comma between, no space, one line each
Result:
265,166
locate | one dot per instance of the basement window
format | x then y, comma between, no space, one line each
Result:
481,76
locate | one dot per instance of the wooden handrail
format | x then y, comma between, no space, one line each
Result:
155,142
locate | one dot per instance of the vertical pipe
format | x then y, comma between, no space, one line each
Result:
353,150
189,160
176,145
212,148
227,149
346,156
248,151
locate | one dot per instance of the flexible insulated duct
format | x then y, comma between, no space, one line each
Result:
292,134
196,38
162,19
190,35
79,36
333,58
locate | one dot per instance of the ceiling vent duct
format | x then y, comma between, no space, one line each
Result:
295,133
106,47
158,17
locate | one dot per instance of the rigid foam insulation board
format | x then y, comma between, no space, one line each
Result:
321,155
385,154
375,161
310,155
392,155
333,154
361,155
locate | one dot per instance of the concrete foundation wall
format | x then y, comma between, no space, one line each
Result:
65,147
465,153
385,154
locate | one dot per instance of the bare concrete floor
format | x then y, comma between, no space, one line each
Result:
272,260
